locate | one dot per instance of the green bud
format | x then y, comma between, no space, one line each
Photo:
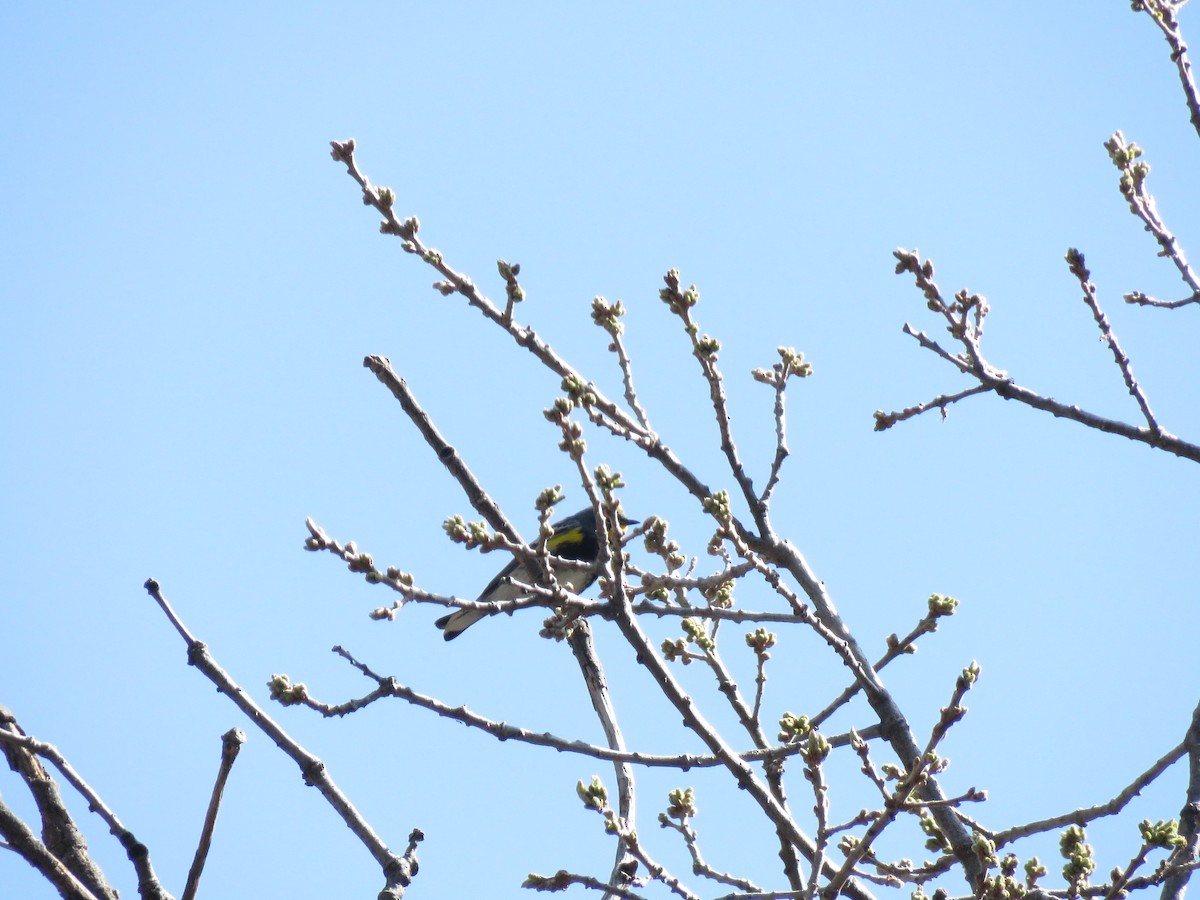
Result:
549,498
760,641
793,728
682,803
675,650
793,362
1078,854
284,692
816,749
708,347
594,795
607,480
1164,835
1033,871
718,506
940,605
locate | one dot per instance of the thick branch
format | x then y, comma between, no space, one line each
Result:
63,839
584,649
1189,817
22,841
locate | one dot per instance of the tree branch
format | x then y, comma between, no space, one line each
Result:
231,743
1082,817
1162,13
398,870
580,640
990,378
64,841
1189,817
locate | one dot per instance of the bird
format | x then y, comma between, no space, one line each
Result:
572,538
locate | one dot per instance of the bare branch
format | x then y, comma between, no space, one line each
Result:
953,713
918,773
287,692
705,349
895,802
1134,171
817,748
791,364
231,744
580,639
1189,817
1162,13
1079,270
70,846
884,421
608,316
682,808
562,879
21,840
972,363
893,726
476,495
939,606
398,871
1083,816
693,719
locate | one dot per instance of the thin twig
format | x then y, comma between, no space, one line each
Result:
884,421
608,316
729,688
895,803
231,744
815,774
562,879
699,866
705,348
390,687
897,647
1121,878
782,451
1079,269
656,870
476,495
972,362
1088,814
1162,13
1126,156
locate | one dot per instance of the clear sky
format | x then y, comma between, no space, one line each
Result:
190,285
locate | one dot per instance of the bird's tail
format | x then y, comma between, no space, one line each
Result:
457,622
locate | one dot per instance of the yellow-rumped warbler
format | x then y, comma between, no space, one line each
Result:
573,538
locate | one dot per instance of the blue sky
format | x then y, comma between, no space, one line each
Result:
192,284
